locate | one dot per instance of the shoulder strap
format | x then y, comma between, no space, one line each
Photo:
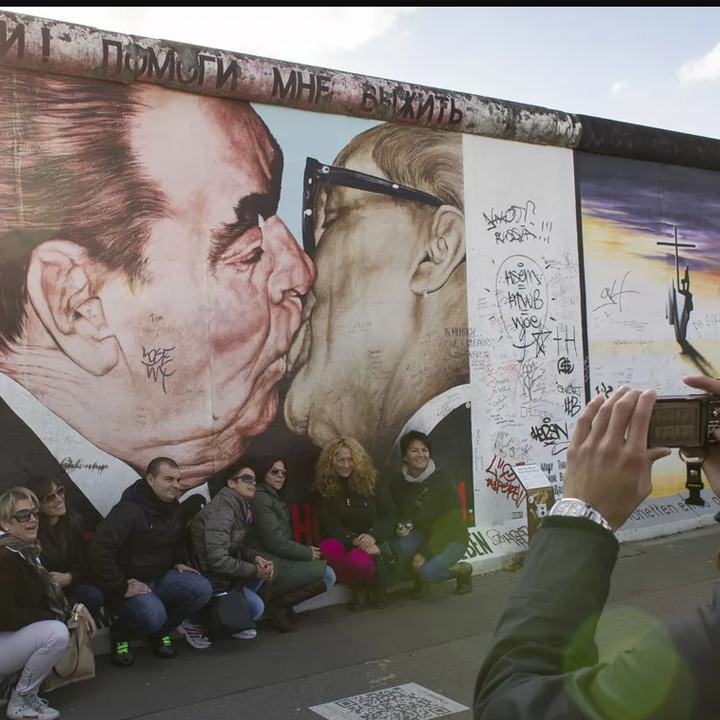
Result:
415,505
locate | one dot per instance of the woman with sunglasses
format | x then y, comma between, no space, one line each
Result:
64,549
300,571
218,534
33,608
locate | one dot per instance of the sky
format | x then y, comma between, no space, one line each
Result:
653,66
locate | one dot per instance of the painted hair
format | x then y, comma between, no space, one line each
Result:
363,477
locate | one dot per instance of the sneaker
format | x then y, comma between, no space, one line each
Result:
195,635
249,634
121,654
164,648
30,707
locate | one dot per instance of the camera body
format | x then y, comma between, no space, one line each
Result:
684,421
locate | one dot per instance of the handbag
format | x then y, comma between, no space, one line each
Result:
78,662
228,613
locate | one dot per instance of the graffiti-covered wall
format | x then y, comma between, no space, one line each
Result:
208,256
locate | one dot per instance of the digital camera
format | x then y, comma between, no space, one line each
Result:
684,421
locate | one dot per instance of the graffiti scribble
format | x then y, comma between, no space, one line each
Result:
156,363
604,389
502,480
614,295
552,435
564,366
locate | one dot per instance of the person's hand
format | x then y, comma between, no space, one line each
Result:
264,567
89,621
417,562
135,588
364,541
608,460
401,530
62,579
181,568
372,550
316,554
710,455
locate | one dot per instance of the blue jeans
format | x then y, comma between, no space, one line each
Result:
330,578
257,606
435,568
174,598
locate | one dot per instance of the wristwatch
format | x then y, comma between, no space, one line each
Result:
572,507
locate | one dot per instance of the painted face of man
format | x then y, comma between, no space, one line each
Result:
205,337
359,319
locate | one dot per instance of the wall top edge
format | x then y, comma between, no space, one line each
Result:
51,46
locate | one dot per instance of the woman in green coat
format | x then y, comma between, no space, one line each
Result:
300,571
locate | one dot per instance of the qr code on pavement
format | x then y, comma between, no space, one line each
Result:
404,702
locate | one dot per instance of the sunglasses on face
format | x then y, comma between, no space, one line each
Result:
316,173
57,495
247,479
23,516
278,473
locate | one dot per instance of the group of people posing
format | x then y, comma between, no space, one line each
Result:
155,564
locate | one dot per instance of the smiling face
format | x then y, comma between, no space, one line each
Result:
344,463
206,336
275,476
167,484
52,505
244,483
24,522
417,457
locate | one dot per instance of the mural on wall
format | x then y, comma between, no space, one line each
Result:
650,237
152,288
526,348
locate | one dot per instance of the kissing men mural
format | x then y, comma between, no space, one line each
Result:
150,290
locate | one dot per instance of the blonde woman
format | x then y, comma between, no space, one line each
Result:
33,608
356,515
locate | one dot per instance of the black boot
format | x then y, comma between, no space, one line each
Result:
359,597
462,572
378,597
276,614
298,595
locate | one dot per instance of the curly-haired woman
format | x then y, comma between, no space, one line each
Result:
357,514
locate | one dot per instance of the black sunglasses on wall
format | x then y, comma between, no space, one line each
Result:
317,172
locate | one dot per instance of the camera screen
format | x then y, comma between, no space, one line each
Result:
675,423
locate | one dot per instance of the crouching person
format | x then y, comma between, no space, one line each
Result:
138,557
33,608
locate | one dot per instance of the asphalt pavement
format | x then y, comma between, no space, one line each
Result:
437,643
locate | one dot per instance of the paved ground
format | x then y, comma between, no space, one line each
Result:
438,642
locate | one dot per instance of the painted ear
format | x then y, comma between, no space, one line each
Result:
60,288
444,251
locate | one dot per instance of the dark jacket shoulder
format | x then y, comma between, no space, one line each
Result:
23,600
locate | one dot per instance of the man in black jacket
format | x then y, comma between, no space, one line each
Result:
543,662
138,558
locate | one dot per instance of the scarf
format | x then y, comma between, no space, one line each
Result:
30,551
422,477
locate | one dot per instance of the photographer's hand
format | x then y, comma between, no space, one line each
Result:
608,461
709,455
